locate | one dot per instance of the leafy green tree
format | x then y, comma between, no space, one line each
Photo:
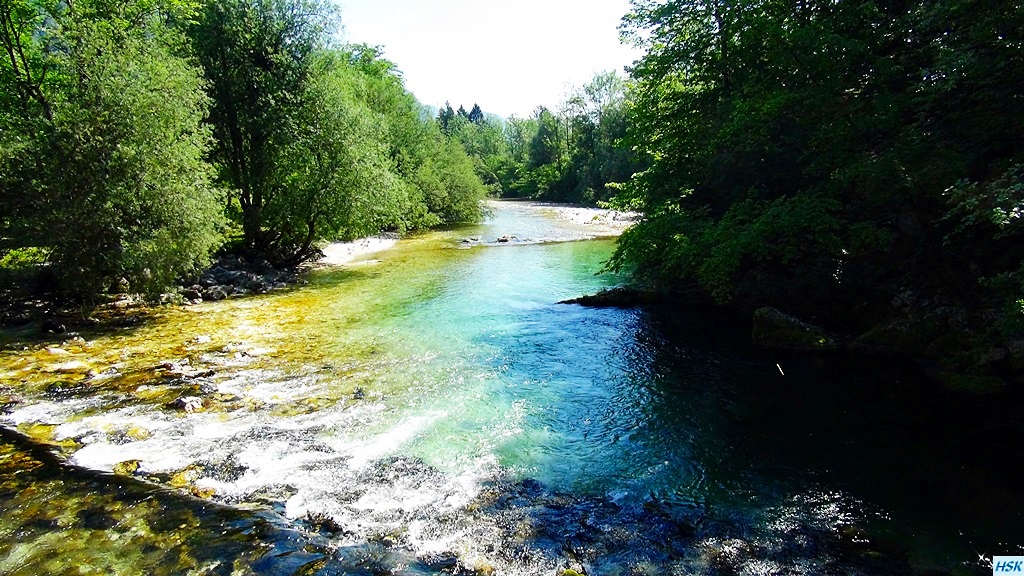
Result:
257,57
574,155
334,179
594,119
813,153
545,146
103,157
441,184
485,143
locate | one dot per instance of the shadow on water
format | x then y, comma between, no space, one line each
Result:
919,469
669,441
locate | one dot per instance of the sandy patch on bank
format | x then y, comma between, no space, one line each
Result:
339,253
607,220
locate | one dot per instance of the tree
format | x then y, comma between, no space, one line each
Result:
257,56
441,185
445,116
334,179
105,167
476,115
818,152
545,146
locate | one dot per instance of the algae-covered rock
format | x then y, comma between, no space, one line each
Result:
775,329
187,479
126,468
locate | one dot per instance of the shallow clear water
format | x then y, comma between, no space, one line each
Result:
434,409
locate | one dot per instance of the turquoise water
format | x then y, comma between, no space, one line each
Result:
446,414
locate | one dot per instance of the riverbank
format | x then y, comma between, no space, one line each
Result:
601,222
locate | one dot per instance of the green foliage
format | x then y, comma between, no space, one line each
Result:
438,175
334,179
574,155
22,258
130,148
804,153
320,142
106,165
257,56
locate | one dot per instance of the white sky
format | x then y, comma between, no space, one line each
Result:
508,56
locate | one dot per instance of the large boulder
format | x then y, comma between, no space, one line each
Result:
215,293
775,329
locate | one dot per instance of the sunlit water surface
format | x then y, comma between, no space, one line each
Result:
433,409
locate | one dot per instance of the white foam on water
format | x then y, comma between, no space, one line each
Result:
356,460
388,443
52,412
104,455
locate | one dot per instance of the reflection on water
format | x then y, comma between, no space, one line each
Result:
437,411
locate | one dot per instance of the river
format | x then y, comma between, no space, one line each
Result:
432,409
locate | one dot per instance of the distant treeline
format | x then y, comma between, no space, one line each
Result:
135,136
574,154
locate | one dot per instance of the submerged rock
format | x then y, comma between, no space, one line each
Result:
70,367
53,326
775,329
183,370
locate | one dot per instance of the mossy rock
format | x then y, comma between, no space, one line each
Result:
186,477
137,433
126,468
775,329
